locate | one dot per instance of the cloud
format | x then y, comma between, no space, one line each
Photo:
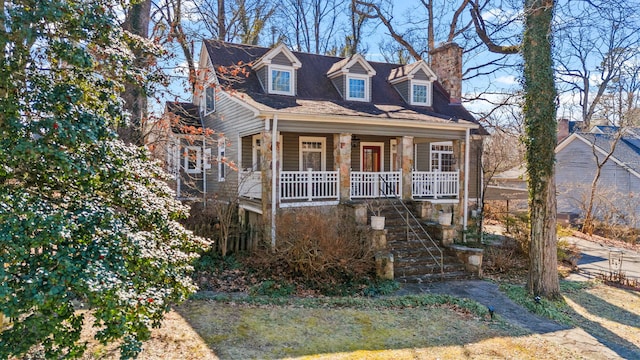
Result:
507,80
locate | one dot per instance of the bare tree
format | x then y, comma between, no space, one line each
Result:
600,160
310,25
598,42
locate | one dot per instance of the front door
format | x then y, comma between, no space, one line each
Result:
371,155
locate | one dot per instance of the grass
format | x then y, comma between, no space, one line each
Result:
406,327
611,315
557,310
425,326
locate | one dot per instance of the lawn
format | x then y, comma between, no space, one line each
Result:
401,328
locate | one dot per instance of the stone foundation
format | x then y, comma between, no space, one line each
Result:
384,265
470,257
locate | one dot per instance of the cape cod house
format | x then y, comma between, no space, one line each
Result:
313,130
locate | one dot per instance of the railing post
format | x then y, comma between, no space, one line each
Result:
309,185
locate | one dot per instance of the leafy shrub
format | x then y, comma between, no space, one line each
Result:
272,288
381,287
323,250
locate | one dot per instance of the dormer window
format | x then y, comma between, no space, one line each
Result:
352,78
420,93
280,80
414,83
358,88
276,71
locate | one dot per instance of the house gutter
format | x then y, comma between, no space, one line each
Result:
274,167
361,120
466,182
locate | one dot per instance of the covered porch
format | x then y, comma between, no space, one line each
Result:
320,168
314,186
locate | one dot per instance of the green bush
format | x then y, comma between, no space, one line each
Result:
272,288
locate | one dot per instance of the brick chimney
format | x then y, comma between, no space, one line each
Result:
563,129
446,62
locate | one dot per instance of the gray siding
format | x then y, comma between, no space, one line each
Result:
190,184
263,77
475,169
421,75
339,83
575,170
281,59
247,152
403,90
230,119
357,68
423,157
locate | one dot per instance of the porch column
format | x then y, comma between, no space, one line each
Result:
405,149
342,163
267,174
458,155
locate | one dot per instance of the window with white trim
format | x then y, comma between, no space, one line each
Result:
442,156
209,100
312,153
420,93
192,159
221,159
280,80
358,87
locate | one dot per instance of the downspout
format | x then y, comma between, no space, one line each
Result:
466,183
274,169
204,171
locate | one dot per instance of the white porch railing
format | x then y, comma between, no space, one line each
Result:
375,184
435,184
324,185
251,184
309,185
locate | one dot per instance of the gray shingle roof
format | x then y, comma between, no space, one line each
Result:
315,93
627,149
187,116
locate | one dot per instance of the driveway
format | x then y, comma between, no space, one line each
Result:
602,258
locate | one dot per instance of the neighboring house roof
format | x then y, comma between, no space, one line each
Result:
626,153
187,117
316,95
604,129
575,126
508,185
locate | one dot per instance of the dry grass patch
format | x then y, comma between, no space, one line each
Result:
610,314
241,331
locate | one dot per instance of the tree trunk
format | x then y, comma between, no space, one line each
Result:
540,126
134,96
222,21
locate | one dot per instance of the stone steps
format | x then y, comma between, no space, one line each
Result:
412,262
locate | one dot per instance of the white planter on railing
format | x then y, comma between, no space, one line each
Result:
377,222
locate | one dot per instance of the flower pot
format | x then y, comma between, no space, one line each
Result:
444,219
377,222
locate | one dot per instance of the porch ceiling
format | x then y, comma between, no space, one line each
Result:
390,128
